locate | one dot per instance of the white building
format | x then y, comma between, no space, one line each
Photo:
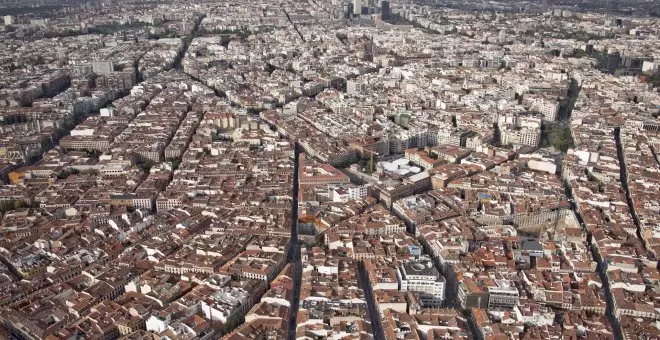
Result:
157,324
422,277
503,295
545,165
344,194
412,138
548,107
355,86
647,66
524,136
103,67
357,7
226,304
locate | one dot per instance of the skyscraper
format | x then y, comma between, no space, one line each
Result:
348,10
9,20
385,9
357,7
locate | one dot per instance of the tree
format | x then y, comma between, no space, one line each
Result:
146,166
175,162
94,153
66,173
557,136
20,205
654,79
6,206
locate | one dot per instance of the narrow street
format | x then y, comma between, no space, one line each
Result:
186,43
427,150
600,269
624,183
564,119
655,155
567,108
294,247
376,325
288,17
